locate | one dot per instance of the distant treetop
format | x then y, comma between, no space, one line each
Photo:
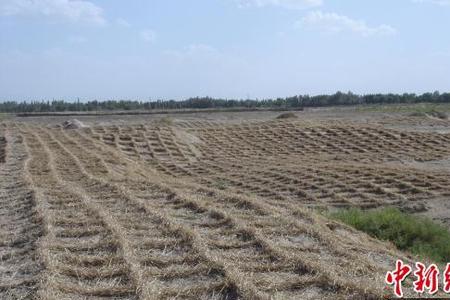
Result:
208,102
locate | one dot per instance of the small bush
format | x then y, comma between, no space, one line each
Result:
287,116
418,235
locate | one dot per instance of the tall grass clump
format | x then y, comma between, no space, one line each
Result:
418,235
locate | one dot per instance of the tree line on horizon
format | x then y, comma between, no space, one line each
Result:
299,101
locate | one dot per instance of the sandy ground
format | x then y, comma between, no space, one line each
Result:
211,205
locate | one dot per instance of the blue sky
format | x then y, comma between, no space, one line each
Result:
115,49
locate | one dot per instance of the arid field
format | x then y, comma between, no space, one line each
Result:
211,206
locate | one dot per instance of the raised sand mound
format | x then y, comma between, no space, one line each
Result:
73,124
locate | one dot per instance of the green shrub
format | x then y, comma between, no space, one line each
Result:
418,235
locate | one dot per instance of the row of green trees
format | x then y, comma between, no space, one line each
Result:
207,102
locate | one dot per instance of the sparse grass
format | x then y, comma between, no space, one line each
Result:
167,121
419,235
419,108
221,184
3,116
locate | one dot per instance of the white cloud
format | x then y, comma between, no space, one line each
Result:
217,71
77,39
148,35
123,23
437,2
442,54
64,10
335,23
204,55
289,4
194,50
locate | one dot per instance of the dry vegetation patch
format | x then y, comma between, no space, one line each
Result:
289,115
